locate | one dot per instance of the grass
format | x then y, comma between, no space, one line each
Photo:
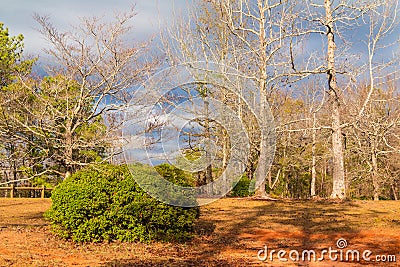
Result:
230,232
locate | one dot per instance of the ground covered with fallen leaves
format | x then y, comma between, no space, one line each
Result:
230,232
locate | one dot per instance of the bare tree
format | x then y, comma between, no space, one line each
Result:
376,135
376,115
67,117
336,17
253,37
267,42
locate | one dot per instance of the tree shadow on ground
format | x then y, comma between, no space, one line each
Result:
236,233
188,262
31,220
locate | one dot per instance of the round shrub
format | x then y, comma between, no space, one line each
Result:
104,203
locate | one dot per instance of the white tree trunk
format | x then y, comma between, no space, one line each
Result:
313,171
261,172
339,185
375,178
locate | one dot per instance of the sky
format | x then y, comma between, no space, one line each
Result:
17,15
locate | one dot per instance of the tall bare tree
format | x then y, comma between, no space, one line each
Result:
253,37
337,17
267,41
67,117
376,115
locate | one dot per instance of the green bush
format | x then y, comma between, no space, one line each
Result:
241,189
105,203
175,175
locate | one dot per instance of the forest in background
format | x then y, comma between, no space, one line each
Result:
327,70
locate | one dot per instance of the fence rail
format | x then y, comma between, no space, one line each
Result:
13,190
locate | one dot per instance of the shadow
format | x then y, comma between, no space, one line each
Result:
317,223
204,228
23,225
176,263
29,220
3,205
377,212
210,247
395,222
230,232
244,226
232,235
306,224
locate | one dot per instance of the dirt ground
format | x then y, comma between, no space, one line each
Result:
230,232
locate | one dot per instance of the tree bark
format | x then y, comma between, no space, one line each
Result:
208,170
68,157
313,171
225,154
374,174
261,172
394,191
339,185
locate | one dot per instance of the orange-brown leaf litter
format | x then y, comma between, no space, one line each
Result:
230,232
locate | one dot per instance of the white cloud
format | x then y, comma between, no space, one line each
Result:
17,15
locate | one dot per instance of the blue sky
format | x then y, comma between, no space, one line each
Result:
17,15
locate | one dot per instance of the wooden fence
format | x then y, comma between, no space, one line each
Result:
13,190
